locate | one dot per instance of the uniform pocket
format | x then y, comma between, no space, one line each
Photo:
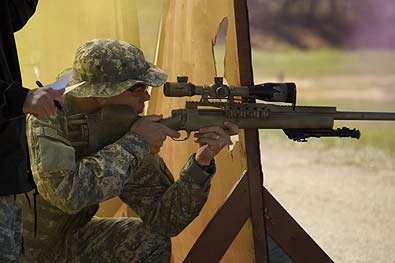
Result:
55,155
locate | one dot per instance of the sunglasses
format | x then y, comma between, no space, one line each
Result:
138,90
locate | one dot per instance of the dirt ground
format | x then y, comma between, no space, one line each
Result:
343,197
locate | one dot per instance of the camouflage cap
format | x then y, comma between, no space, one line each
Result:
109,67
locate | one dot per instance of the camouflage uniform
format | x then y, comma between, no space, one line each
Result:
10,229
72,182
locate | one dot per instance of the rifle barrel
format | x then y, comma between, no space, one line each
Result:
373,116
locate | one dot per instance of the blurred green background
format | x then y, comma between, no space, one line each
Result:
339,53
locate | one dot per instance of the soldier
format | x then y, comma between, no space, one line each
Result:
73,176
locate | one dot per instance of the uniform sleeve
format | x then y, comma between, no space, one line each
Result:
165,206
72,185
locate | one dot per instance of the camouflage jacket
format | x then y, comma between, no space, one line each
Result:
71,186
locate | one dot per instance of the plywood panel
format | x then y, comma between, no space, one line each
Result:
186,48
47,44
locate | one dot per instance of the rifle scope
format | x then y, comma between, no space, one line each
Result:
275,92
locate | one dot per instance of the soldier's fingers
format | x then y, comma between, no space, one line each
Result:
60,99
232,129
155,149
50,111
153,117
213,147
45,88
227,140
49,106
157,145
210,142
54,109
48,93
224,138
170,132
58,95
162,137
43,112
59,92
215,129
211,135
44,106
46,98
35,115
54,92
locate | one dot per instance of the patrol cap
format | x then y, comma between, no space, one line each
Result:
109,67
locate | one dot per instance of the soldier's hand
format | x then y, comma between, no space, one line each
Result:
153,132
212,140
40,102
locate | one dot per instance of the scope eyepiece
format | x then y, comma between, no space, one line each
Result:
276,92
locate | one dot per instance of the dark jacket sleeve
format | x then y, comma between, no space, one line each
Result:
12,94
12,97
21,11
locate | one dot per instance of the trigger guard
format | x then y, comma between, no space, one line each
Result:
184,139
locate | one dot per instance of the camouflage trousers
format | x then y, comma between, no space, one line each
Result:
105,240
10,229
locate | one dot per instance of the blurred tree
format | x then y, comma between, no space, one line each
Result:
317,23
311,8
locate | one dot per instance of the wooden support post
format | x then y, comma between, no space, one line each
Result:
289,235
254,168
230,218
223,227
